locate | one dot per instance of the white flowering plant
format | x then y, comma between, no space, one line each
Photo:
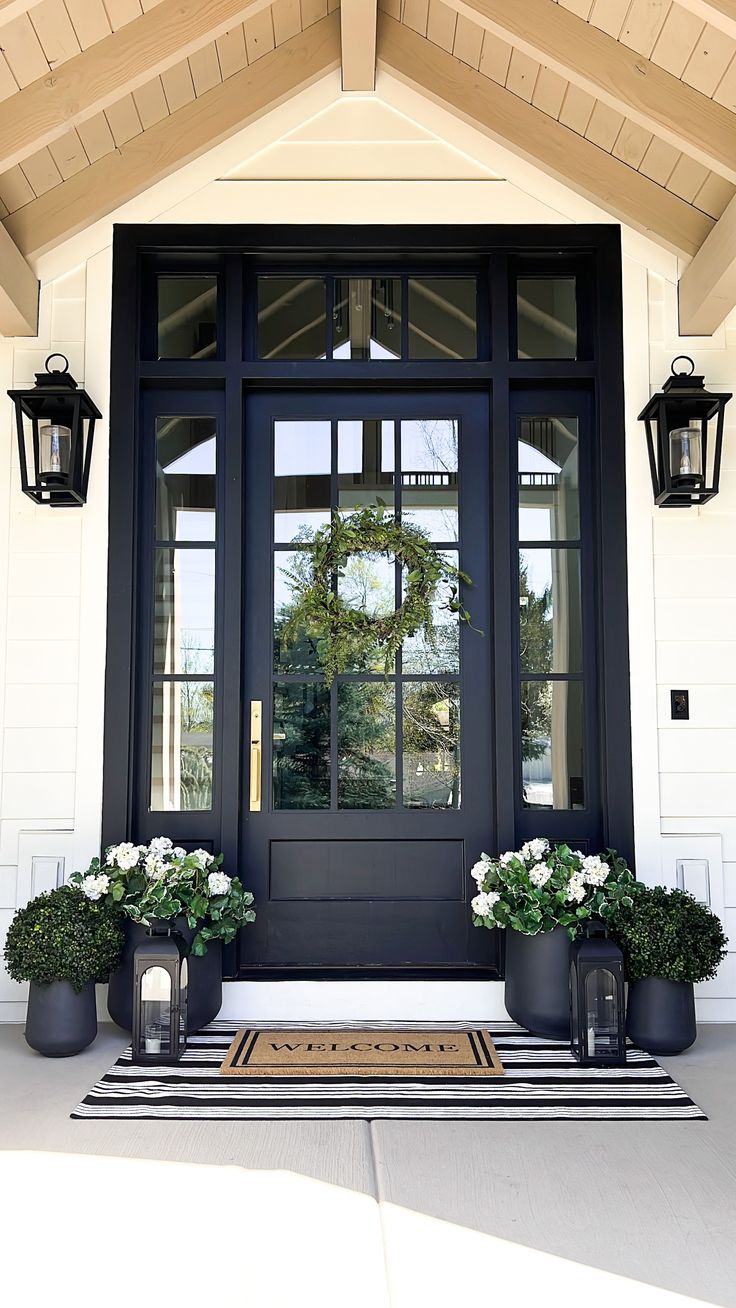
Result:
541,886
161,881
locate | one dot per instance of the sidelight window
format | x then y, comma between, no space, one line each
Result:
550,613
183,690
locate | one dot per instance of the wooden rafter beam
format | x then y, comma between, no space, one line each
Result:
111,68
10,9
620,77
358,41
555,149
176,140
18,291
720,14
708,284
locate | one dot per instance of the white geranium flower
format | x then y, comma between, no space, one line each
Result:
594,870
575,889
478,872
483,903
155,867
506,858
535,849
94,887
540,874
218,883
178,852
125,856
204,857
160,846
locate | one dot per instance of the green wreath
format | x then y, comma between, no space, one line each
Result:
345,635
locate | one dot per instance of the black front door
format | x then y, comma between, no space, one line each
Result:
368,801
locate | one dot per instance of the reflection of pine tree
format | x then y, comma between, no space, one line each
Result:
432,736
535,622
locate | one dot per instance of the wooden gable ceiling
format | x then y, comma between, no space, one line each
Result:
630,102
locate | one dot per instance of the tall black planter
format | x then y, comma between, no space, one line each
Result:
660,1015
537,992
204,999
59,1021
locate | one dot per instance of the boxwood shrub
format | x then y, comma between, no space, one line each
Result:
63,936
668,933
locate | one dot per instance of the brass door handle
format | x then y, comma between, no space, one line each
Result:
256,736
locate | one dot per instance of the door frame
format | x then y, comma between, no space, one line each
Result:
141,250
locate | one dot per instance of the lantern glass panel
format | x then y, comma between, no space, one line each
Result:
155,1001
55,443
601,1013
183,1000
686,454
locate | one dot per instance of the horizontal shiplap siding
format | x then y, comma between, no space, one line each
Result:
695,624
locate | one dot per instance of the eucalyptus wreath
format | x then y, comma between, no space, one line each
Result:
345,635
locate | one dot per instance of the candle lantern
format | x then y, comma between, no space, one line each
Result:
597,999
684,426
55,422
160,982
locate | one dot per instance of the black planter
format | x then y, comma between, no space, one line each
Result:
537,993
205,980
660,1015
59,1021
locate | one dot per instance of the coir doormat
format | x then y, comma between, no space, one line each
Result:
541,1082
350,1053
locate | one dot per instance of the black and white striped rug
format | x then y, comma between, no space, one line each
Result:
542,1082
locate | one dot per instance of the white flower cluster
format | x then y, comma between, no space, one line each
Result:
576,888
535,849
540,874
218,883
126,856
204,858
483,903
94,887
595,870
478,871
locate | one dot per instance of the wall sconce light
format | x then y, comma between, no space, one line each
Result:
684,424
55,421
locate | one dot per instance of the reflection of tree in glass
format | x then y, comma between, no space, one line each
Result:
431,744
197,716
535,621
435,442
301,727
194,657
366,745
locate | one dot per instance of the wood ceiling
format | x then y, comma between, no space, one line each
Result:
630,102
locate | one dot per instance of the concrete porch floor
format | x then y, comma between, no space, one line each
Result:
358,1214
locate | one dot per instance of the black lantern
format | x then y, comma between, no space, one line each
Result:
597,999
160,982
684,425
58,441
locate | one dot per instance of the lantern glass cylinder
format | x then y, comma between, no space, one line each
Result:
55,451
156,1010
686,455
601,1014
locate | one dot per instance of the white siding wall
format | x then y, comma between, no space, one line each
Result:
694,554
682,564
52,612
